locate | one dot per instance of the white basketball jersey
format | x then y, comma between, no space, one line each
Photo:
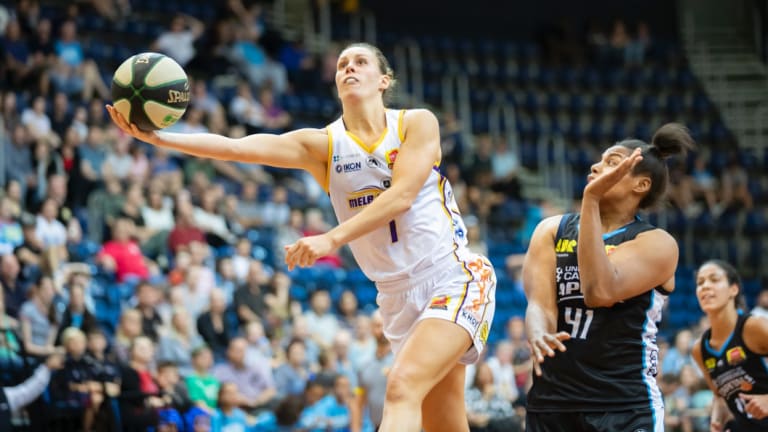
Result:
427,233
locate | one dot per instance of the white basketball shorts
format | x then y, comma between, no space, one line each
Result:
462,291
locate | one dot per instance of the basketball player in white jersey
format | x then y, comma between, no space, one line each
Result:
400,219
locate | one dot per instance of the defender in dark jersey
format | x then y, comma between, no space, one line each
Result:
596,283
732,353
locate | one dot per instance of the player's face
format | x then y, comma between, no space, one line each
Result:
712,288
609,160
358,74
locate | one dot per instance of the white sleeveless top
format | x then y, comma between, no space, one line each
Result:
429,232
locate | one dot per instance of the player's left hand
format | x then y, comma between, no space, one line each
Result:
756,405
601,184
307,250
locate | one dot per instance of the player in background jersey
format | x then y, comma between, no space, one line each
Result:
436,297
732,353
596,282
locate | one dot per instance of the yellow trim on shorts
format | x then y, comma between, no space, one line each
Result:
400,131
441,182
485,308
327,184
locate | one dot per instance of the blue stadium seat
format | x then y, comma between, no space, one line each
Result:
599,105
576,103
590,78
553,103
674,104
619,131
480,121
643,131
623,104
754,223
650,104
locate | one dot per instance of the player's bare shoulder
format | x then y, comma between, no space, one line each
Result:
314,141
420,116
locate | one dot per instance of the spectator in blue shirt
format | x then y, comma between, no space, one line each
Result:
291,377
228,417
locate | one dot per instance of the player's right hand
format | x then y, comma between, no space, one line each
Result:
129,128
715,426
546,345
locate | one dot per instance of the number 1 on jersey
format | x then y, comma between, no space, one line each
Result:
393,231
573,316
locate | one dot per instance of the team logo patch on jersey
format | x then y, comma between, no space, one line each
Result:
710,363
391,156
439,302
735,356
565,246
373,162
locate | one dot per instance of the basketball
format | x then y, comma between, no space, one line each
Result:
150,90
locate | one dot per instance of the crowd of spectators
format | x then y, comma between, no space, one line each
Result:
207,335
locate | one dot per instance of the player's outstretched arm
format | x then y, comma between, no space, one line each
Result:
539,285
301,149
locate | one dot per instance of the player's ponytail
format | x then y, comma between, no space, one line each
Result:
672,139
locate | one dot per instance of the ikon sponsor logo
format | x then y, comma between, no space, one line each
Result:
349,167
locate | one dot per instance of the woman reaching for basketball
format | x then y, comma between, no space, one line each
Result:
400,219
596,282
733,353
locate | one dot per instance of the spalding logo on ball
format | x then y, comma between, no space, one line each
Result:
150,90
